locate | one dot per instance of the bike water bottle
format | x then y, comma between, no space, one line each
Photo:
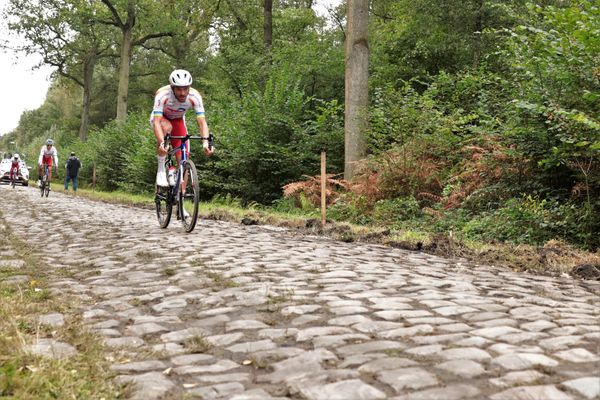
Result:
171,176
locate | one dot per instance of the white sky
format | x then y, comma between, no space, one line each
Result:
22,88
25,89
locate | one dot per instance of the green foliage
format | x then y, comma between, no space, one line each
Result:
555,69
354,210
270,138
530,220
124,156
397,211
421,38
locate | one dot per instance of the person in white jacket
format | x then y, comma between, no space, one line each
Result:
168,117
48,156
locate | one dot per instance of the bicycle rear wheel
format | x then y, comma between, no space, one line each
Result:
164,208
189,199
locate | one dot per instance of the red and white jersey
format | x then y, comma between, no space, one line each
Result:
47,153
167,105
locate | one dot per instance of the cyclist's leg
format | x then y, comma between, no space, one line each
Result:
179,129
49,164
161,174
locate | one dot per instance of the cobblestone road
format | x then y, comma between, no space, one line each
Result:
240,312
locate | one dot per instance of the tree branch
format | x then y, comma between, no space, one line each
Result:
164,51
117,19
144,39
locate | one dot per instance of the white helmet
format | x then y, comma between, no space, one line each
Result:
16,156
180,77
50,142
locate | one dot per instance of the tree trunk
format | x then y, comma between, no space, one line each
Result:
124,75
268,25
88,75
357,85
477,34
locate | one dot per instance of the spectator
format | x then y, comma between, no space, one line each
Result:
73,164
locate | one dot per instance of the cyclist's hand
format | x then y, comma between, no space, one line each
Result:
160,149
208,145
208,150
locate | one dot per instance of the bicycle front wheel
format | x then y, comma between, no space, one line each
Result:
164,208
189,198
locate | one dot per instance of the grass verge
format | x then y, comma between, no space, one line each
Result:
24,297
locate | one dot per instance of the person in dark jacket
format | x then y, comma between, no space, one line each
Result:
73,165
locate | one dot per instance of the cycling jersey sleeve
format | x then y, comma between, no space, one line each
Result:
159,101
196,100
55,155
41,156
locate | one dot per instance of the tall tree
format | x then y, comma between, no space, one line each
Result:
268,24
64,34
357,84
124,15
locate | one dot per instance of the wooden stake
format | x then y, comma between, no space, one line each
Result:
323,189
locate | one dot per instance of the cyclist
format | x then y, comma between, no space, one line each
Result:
15,166
168,116
48,153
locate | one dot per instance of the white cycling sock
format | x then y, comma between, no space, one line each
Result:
161,163
161,175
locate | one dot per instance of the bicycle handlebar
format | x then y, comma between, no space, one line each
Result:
210,139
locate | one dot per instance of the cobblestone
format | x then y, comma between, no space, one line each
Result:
251,312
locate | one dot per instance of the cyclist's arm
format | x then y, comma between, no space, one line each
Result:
41,156
55,155
206,144
196,100
158,130
202,125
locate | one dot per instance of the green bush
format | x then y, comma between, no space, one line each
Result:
355,211
395,211
528,220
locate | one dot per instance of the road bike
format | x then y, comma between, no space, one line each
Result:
13,180
45,184
183,191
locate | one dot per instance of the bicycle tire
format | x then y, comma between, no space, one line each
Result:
189,200
47,189
164,208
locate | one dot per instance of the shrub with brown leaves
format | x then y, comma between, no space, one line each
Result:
310,188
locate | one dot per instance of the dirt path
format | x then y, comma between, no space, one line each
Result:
251,312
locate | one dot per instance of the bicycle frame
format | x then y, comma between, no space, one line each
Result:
181,164
175,191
